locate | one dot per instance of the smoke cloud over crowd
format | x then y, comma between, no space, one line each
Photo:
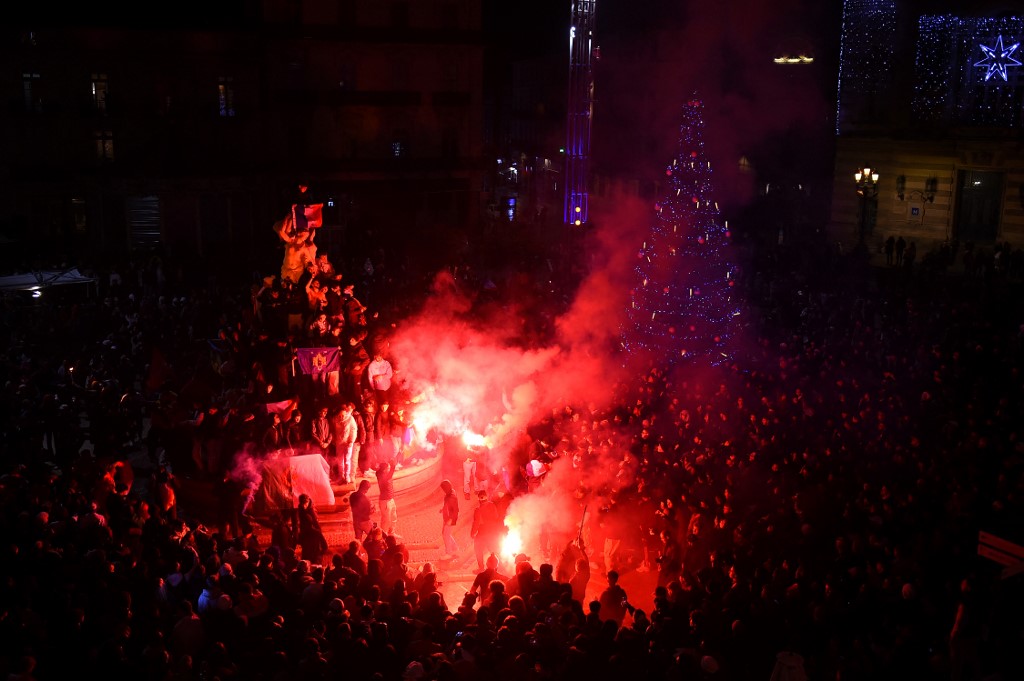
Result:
483,373
479,374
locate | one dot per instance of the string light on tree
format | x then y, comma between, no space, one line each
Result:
683,306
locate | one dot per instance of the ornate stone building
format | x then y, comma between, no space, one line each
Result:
186,131
931,100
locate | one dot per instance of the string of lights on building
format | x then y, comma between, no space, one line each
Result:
866,51
967,71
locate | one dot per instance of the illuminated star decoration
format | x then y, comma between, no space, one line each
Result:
997,58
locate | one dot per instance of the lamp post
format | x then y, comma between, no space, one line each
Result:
867,188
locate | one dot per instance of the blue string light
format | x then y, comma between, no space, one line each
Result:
866,53
954,68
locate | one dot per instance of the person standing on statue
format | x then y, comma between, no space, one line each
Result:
299,250
273,437
355,359
305,211
370,447
401,435
355,311
345,434
380,372
321,431
358,448
295,433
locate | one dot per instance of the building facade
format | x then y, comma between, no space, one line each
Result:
935,109
189,137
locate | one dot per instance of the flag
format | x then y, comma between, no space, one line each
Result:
317,361
284,408
307,216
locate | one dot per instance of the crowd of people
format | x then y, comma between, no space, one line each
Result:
814,505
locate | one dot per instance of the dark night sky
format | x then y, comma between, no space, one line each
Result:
652,61
653,54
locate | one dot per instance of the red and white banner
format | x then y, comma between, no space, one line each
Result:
307,216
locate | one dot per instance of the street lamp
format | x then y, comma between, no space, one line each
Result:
867,188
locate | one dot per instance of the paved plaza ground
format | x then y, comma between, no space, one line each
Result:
419,527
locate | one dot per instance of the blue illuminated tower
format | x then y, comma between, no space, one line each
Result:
683,305
580,115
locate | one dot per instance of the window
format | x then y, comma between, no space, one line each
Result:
400,77
30,89
294,8
100,86
978,205
400,14
80,217
450,74
104,145
143,221
226,96
449,13
449,142
346,12
347,77
164,92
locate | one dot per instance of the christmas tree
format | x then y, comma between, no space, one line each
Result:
683,305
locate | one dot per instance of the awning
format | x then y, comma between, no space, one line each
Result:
42,279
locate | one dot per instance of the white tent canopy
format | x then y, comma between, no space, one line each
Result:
42,279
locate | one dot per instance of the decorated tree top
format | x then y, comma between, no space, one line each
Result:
682,305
